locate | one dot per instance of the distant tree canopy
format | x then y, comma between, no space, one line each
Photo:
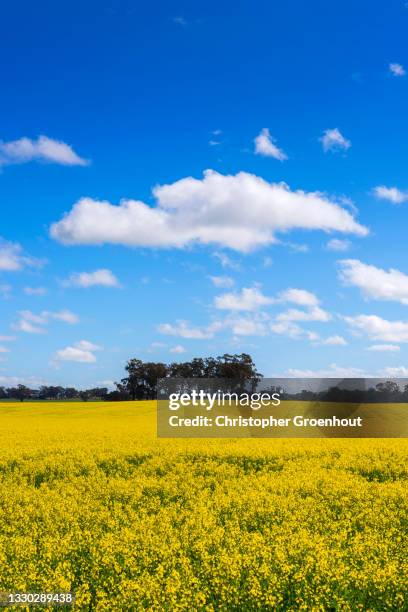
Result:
141,380
384,392
140,383
56,393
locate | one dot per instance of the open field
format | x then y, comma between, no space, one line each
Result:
92,502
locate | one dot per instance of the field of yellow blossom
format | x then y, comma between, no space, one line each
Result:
91,501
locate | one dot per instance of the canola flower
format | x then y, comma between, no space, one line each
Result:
92,502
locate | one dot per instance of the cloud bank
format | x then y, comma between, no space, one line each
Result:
241,212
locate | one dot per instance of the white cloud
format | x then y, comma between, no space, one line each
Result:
314,313
287,328
333,140
264,145
7,338
397,372
397,70
43,149
333,371
293,330
183,329
388,348
247,325
81,352
4,349
380,329
32,323
296,248
223,282
334,341
177,349
373,282
248,299
338,245
66,316
301,297
35,290
241,212
392,194
106,383
30,381
28,327
12,258
102,278
226,261
156,345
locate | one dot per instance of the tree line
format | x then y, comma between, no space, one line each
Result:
384,392
140,382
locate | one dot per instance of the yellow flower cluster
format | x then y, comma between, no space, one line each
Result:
91,501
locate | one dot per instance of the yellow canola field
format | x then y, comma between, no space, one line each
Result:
91,501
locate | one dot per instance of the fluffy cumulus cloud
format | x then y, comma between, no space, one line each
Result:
397,70
392,194
301,297
375,283
246,317
253,324
102,278
43,149
333,140
183,329
13,259
249,298
377,328
265,145
293,330
81,352
240,212
311,311
32,323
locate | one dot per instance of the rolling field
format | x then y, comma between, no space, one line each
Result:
92,501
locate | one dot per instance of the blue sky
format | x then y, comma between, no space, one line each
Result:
115,244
